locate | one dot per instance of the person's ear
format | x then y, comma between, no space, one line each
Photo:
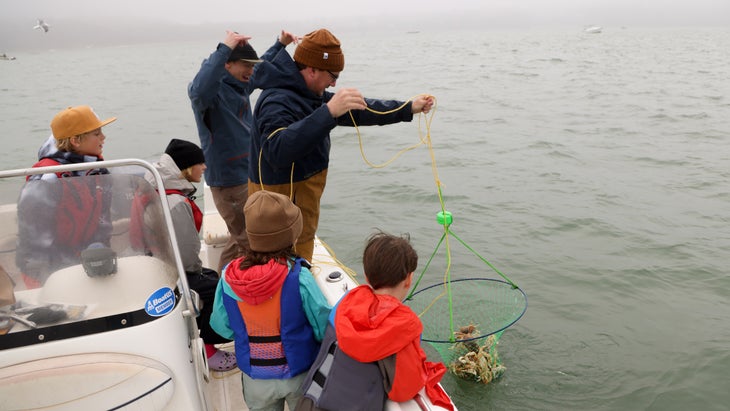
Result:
312,72
408,281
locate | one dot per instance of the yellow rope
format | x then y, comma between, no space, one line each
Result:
291,176
401,152
349,271
423,139
437,181
359,137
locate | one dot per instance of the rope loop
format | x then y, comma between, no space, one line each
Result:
291,176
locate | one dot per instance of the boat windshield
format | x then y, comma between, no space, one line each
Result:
82,254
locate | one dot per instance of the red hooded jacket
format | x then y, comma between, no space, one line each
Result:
371,327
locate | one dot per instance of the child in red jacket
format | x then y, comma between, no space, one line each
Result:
372,348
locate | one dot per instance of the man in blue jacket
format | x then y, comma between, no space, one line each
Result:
290,140
219,94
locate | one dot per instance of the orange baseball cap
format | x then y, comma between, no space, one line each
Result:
76,120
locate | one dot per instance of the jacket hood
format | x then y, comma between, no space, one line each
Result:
171,176
373,326
256,284
282,72
48,149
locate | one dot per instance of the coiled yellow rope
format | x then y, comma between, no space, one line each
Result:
421,139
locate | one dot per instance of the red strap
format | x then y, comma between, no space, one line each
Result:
46,162
197,214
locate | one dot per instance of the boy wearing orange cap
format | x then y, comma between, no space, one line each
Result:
59,217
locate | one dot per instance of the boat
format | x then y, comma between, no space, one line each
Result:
117,330
6,57
593,29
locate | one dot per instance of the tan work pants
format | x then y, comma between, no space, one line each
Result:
306,195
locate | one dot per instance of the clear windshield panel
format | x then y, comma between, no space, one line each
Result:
81,248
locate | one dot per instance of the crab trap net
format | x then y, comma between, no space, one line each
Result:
464,318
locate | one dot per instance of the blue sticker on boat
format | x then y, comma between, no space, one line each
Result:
160,302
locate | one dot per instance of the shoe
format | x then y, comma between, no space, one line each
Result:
222,361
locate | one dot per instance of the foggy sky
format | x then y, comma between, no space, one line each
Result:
81,22
538,12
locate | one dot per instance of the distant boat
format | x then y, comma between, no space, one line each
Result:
593,29
6,57
42,25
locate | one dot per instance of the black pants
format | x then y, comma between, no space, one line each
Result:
205,284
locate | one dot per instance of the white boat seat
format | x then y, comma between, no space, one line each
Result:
136,279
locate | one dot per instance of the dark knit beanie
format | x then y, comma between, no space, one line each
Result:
184,153
273,222
245,53
320,49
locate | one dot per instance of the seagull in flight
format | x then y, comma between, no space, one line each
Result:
42,25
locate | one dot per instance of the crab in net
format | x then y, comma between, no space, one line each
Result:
472,361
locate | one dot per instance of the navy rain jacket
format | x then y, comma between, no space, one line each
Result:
287,103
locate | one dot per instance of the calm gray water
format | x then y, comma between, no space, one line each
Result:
591,169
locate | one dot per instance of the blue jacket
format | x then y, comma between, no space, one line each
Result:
286,102
222,112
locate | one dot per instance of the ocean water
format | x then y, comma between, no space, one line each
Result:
592,170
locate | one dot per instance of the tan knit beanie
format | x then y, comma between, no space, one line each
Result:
320,49
273,222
